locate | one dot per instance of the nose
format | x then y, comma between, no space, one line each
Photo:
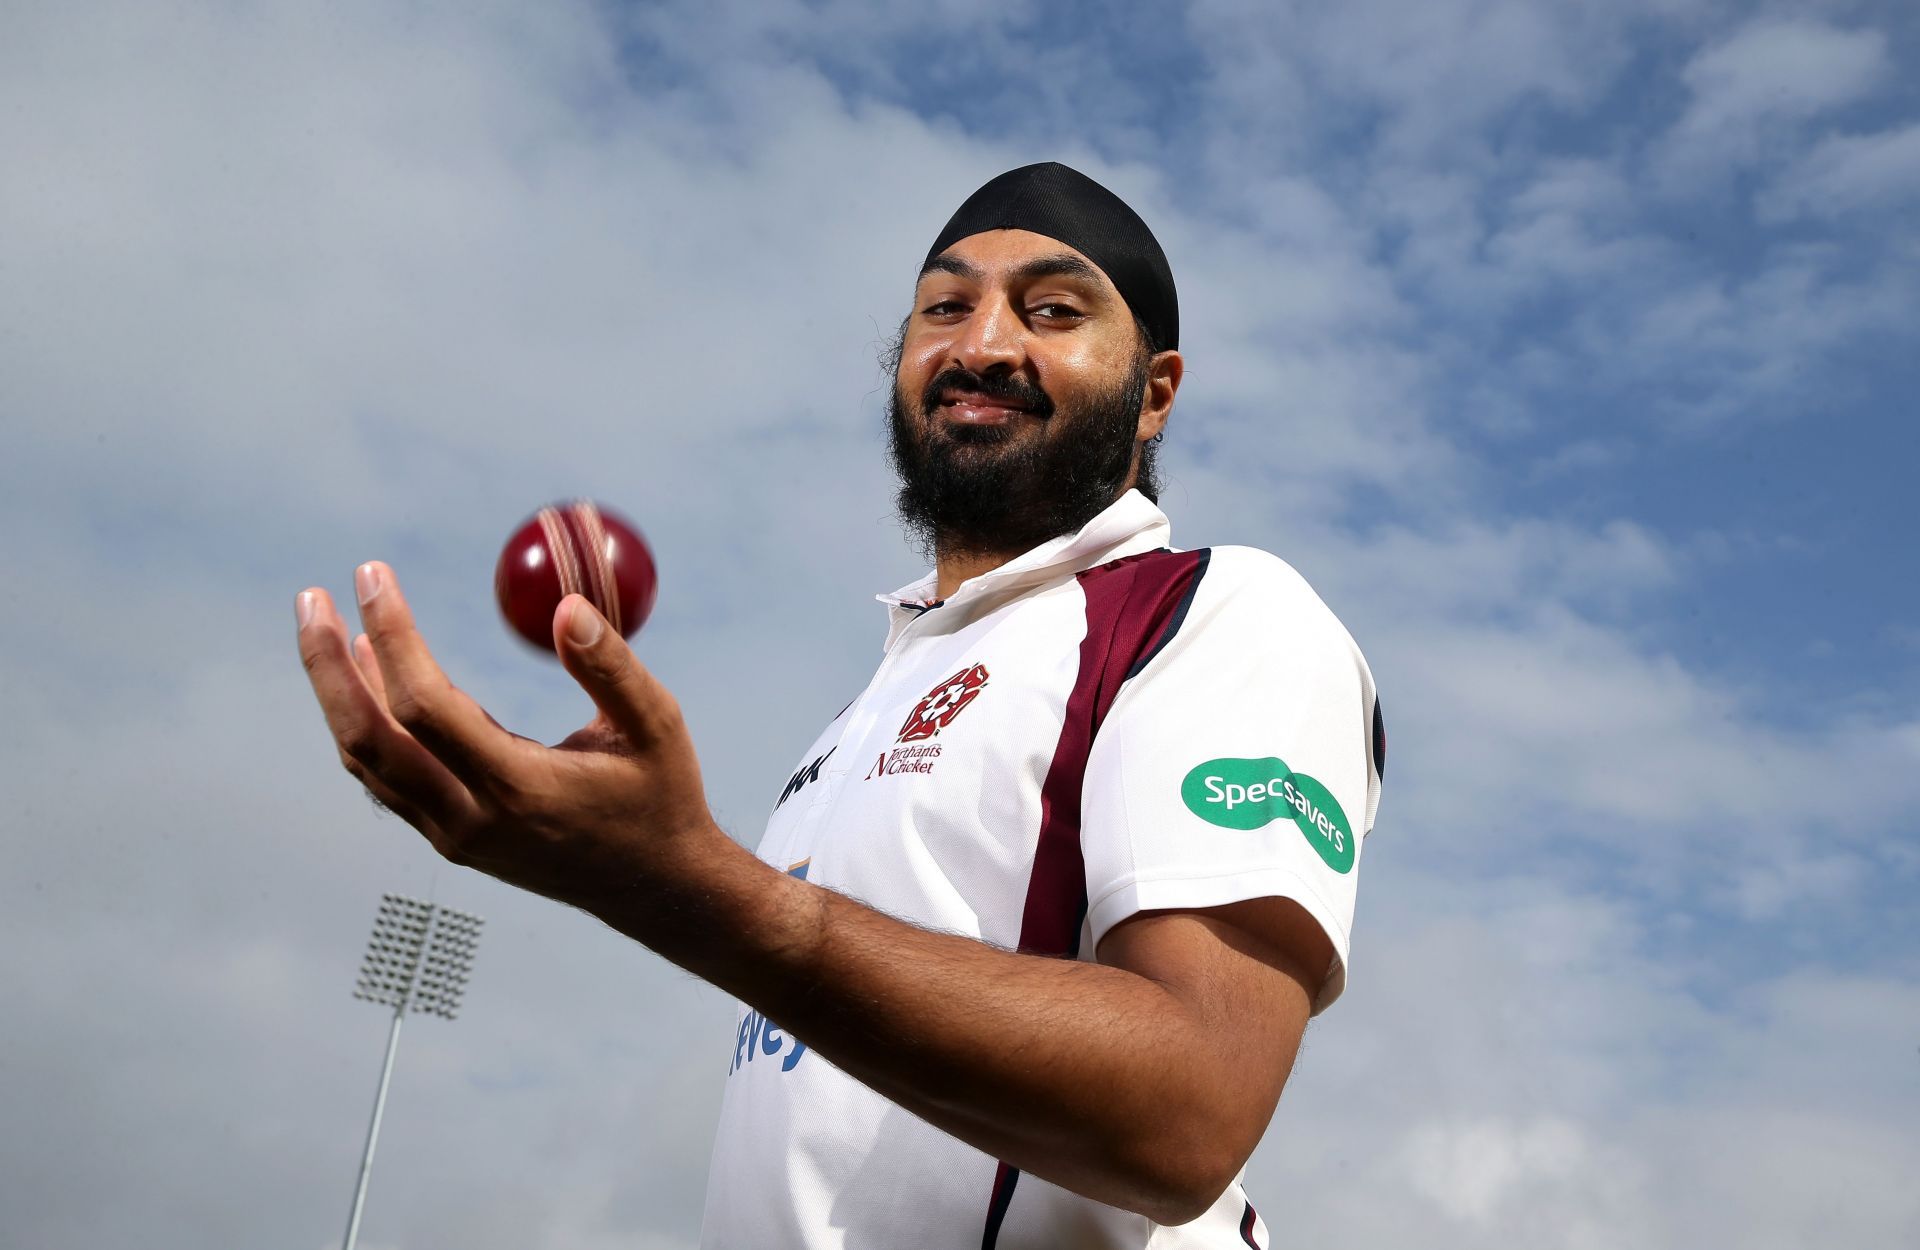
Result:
993,337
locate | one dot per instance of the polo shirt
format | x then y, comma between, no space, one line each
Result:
1103,726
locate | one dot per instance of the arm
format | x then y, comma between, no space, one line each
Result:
1143,1083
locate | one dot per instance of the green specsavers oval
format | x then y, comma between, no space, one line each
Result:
1249,794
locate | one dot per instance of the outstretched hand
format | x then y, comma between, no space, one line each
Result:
616,803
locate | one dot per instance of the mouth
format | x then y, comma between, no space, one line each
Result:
973,408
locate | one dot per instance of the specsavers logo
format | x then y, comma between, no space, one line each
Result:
1249,794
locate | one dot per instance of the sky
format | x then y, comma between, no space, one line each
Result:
1568,350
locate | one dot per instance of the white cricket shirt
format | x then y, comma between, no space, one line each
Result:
1100,727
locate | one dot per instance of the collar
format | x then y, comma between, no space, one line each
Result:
1130,525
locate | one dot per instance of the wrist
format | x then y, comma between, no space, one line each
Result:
701,900
645,868
748,928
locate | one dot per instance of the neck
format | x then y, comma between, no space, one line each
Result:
953,567
954,564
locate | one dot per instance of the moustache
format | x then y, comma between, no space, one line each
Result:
1004,387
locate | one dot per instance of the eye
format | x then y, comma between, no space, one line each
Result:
1054,310
943,308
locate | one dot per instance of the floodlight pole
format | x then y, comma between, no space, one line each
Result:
373,1129
418,958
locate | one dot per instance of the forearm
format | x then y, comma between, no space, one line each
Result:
1082,1074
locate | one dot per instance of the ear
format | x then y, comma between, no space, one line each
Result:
1164,372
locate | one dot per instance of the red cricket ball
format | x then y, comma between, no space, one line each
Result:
574,548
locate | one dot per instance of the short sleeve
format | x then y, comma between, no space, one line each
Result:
1241,761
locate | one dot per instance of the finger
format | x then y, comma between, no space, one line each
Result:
417,693
371,744
605,666
385,801
369,665
370,669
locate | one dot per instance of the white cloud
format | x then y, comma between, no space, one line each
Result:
1583,456
1521,265
1550,1068
1433,75
1782,68
1573,222
1732,348
1471,1169
1771,74
1581,739
1848,174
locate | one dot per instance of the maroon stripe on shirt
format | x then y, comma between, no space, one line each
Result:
1134,607
1004,1179
1246,1228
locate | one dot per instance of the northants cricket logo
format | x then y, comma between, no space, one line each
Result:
944,702
912,751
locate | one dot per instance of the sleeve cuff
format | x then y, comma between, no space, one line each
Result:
1159,893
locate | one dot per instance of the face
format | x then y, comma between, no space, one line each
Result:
1023,396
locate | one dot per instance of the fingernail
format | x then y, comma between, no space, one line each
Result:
583,627
366,582
303,607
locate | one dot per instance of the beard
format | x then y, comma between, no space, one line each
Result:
1005,489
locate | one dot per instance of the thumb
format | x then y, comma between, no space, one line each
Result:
613,677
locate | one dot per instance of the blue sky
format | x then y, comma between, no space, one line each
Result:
1568,350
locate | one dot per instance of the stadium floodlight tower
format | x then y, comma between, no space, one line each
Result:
419,957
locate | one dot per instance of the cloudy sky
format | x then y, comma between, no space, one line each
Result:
1569,350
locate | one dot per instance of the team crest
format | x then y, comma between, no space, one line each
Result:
944,702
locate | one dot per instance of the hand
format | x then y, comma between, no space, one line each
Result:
607,811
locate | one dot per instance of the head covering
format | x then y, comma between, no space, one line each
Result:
1065,204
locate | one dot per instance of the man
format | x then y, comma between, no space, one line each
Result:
1035,928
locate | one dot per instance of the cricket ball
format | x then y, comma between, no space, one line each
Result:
574,548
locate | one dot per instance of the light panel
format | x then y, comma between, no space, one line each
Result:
420,956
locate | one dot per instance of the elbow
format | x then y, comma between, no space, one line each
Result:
1172,1202
1174,1182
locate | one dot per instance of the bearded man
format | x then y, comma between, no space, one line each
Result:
1035,928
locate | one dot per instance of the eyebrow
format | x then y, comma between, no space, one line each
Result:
944,263
1058,265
